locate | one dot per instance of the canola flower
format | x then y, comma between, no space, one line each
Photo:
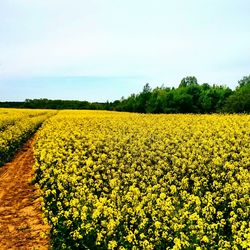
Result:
16,126
131,181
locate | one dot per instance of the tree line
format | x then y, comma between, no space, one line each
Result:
188,97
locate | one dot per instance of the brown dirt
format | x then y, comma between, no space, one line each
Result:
21,224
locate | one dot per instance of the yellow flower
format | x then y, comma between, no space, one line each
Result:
158,224
112,244
123,180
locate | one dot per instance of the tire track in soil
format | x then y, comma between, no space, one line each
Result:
21,221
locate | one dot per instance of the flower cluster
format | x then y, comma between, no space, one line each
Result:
16,126
132,181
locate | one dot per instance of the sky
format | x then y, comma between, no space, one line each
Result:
99,50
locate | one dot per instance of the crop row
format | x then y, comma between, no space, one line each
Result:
131,181
16,126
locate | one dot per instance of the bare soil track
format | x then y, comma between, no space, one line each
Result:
21,224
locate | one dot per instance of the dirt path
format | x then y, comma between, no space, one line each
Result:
21,222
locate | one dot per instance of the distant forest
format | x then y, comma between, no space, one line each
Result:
188,97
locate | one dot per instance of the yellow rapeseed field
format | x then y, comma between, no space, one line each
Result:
16,126
131,181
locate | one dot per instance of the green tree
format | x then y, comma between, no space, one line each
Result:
239,101
142,99
243,82
188,80
213,99
182,101
156,101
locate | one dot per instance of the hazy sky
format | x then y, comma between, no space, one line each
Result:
100,50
